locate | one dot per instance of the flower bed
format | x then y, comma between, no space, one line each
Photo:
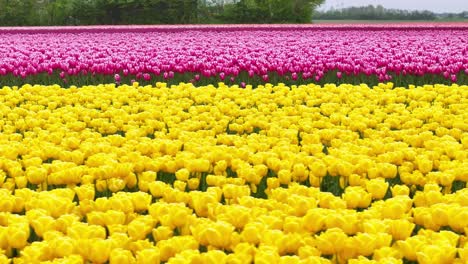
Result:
224,174
293,54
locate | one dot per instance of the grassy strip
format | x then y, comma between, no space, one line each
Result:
243,77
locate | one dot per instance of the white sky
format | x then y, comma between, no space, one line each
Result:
438,6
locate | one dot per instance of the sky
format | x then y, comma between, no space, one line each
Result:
438,6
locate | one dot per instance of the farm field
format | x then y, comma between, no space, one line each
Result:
404,54
384,22
234,144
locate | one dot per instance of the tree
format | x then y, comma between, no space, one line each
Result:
371,12
92,12
271,11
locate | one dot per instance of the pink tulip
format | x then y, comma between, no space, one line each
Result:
453,78
294,76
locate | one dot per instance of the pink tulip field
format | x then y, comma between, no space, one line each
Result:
400,53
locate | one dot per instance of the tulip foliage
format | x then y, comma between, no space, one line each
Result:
404,54
224,174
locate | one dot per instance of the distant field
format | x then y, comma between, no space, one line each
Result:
344,21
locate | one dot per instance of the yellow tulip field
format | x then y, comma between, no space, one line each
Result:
224,174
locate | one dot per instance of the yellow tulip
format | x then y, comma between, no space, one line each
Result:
331,241
463,253
96,218
115,184
116,228
182,174
140,227
299,173
131,180
435,254
440,215
401,229
400,190
148,256
357,197
387,252
457,219
410,247
99,251
18,236
144,180
314,220
101,204
215,256
7,204
118,256
157,188
218,236
388,170
162,233
169,248
424,164
39,251
308,251
121,202
101,185
85,192
112,217
397,207
289,243
284,177
36,175
180,185
318,169
63,246
266,255
141,201
252,233
377,187
43,224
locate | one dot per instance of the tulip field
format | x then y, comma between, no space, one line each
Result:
253,55
234,144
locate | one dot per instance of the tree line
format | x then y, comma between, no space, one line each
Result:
121,12
378,12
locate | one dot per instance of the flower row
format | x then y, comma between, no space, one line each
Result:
239,55
114,135
132,227
276,174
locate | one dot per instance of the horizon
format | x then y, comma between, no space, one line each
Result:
448,6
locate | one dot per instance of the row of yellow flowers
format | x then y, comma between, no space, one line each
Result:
130,174
293,221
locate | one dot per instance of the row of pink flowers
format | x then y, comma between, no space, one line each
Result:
298,51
